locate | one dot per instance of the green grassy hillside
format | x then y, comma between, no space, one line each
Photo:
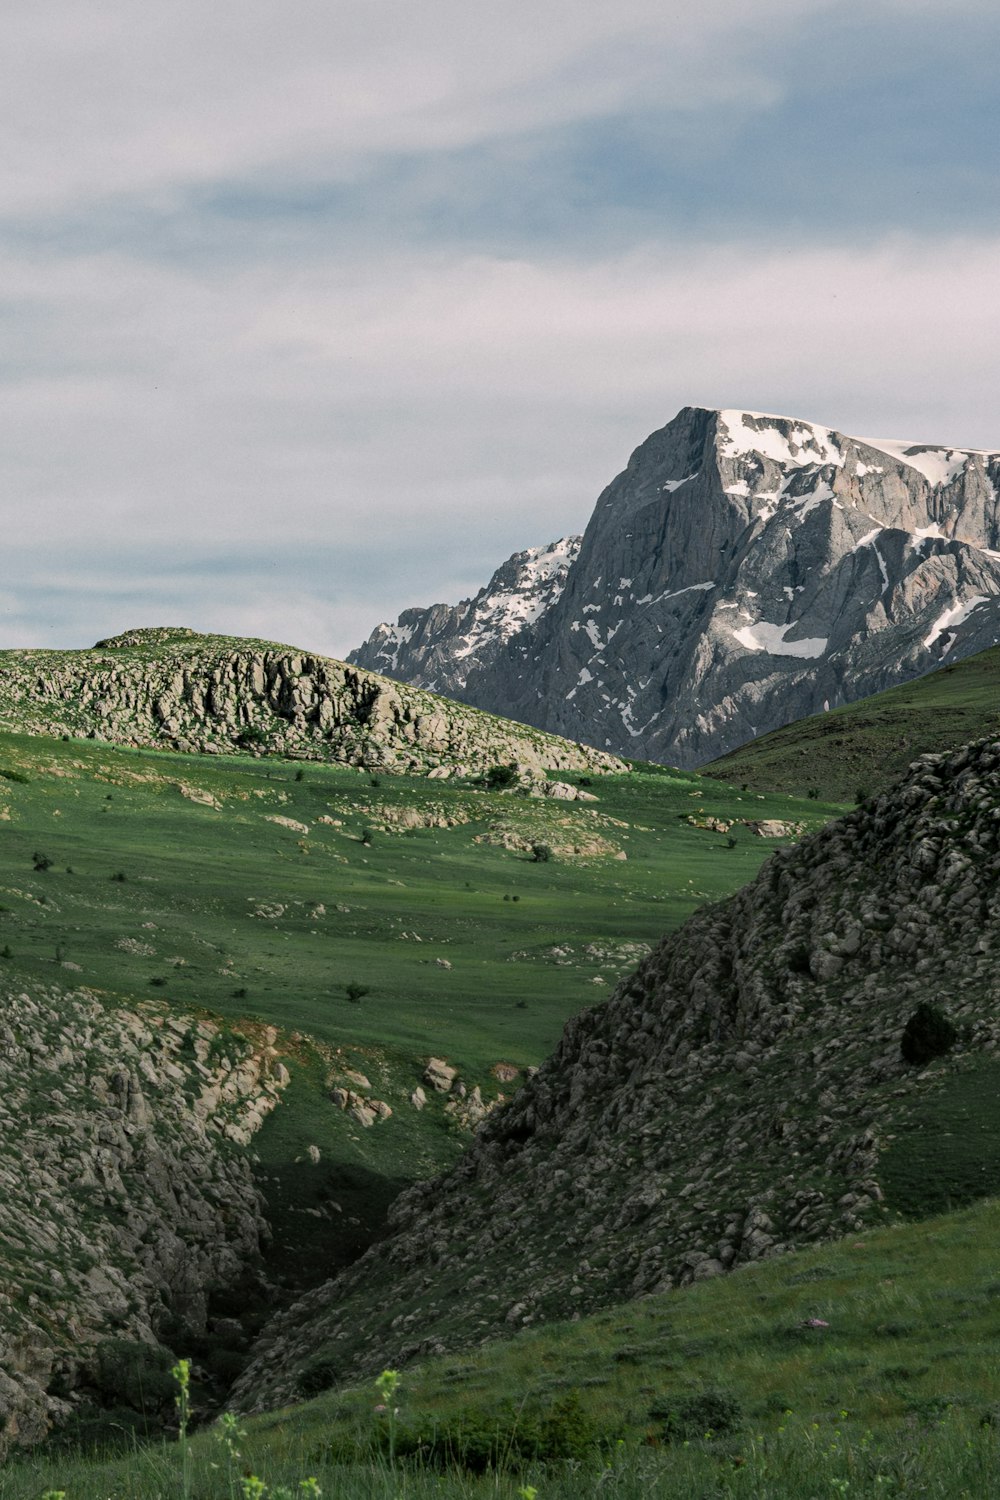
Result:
265,891
862,1368
863,747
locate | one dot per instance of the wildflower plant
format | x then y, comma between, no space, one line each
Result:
182,1375
387,1385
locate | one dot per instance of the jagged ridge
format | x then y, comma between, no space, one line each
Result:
730,1102
437,647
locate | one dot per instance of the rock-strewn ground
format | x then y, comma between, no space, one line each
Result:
123,1200
730,1102
214,694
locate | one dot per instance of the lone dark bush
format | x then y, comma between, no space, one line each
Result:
41,861
500,777
928,1033
798,960
356,992
541,853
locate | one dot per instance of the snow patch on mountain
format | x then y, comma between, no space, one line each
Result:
771,638
949,619
792,444
939,466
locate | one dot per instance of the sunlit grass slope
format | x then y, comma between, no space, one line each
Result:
863,747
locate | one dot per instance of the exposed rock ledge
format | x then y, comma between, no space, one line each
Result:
122,1194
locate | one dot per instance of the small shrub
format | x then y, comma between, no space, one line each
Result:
130,1373
498,778
367,834
730,842
119,875
709,1411
375,781
158,981
41,861
240,994
541,853
300,775
480,1440
253,736
356,992
813,794
8,775
6,952
861,794
929,1033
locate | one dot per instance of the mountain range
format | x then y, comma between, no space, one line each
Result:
742,572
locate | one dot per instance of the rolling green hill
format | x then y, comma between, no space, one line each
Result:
861,748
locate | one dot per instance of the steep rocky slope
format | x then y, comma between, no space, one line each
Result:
731,1101
123,1202
745,571
437,647
214,694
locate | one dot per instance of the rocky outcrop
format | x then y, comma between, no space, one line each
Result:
213,694
746,571
730,1102
436,647
123,1200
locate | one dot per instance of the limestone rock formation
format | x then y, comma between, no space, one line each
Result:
215,694
122,1198
731,1101
742,572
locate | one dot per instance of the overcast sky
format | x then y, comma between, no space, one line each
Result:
317,309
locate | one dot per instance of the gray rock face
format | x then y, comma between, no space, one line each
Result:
745,571
730,1101
120,1201
215,694
436,647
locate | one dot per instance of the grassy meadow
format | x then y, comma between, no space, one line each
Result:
261,890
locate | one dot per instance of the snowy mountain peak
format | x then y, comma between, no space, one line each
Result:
745,569
787,441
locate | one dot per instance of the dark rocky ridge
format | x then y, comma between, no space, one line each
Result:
745,571
730,1102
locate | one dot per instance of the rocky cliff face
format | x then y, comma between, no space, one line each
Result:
438,646
730,1102
745,571
122,1198
214,694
